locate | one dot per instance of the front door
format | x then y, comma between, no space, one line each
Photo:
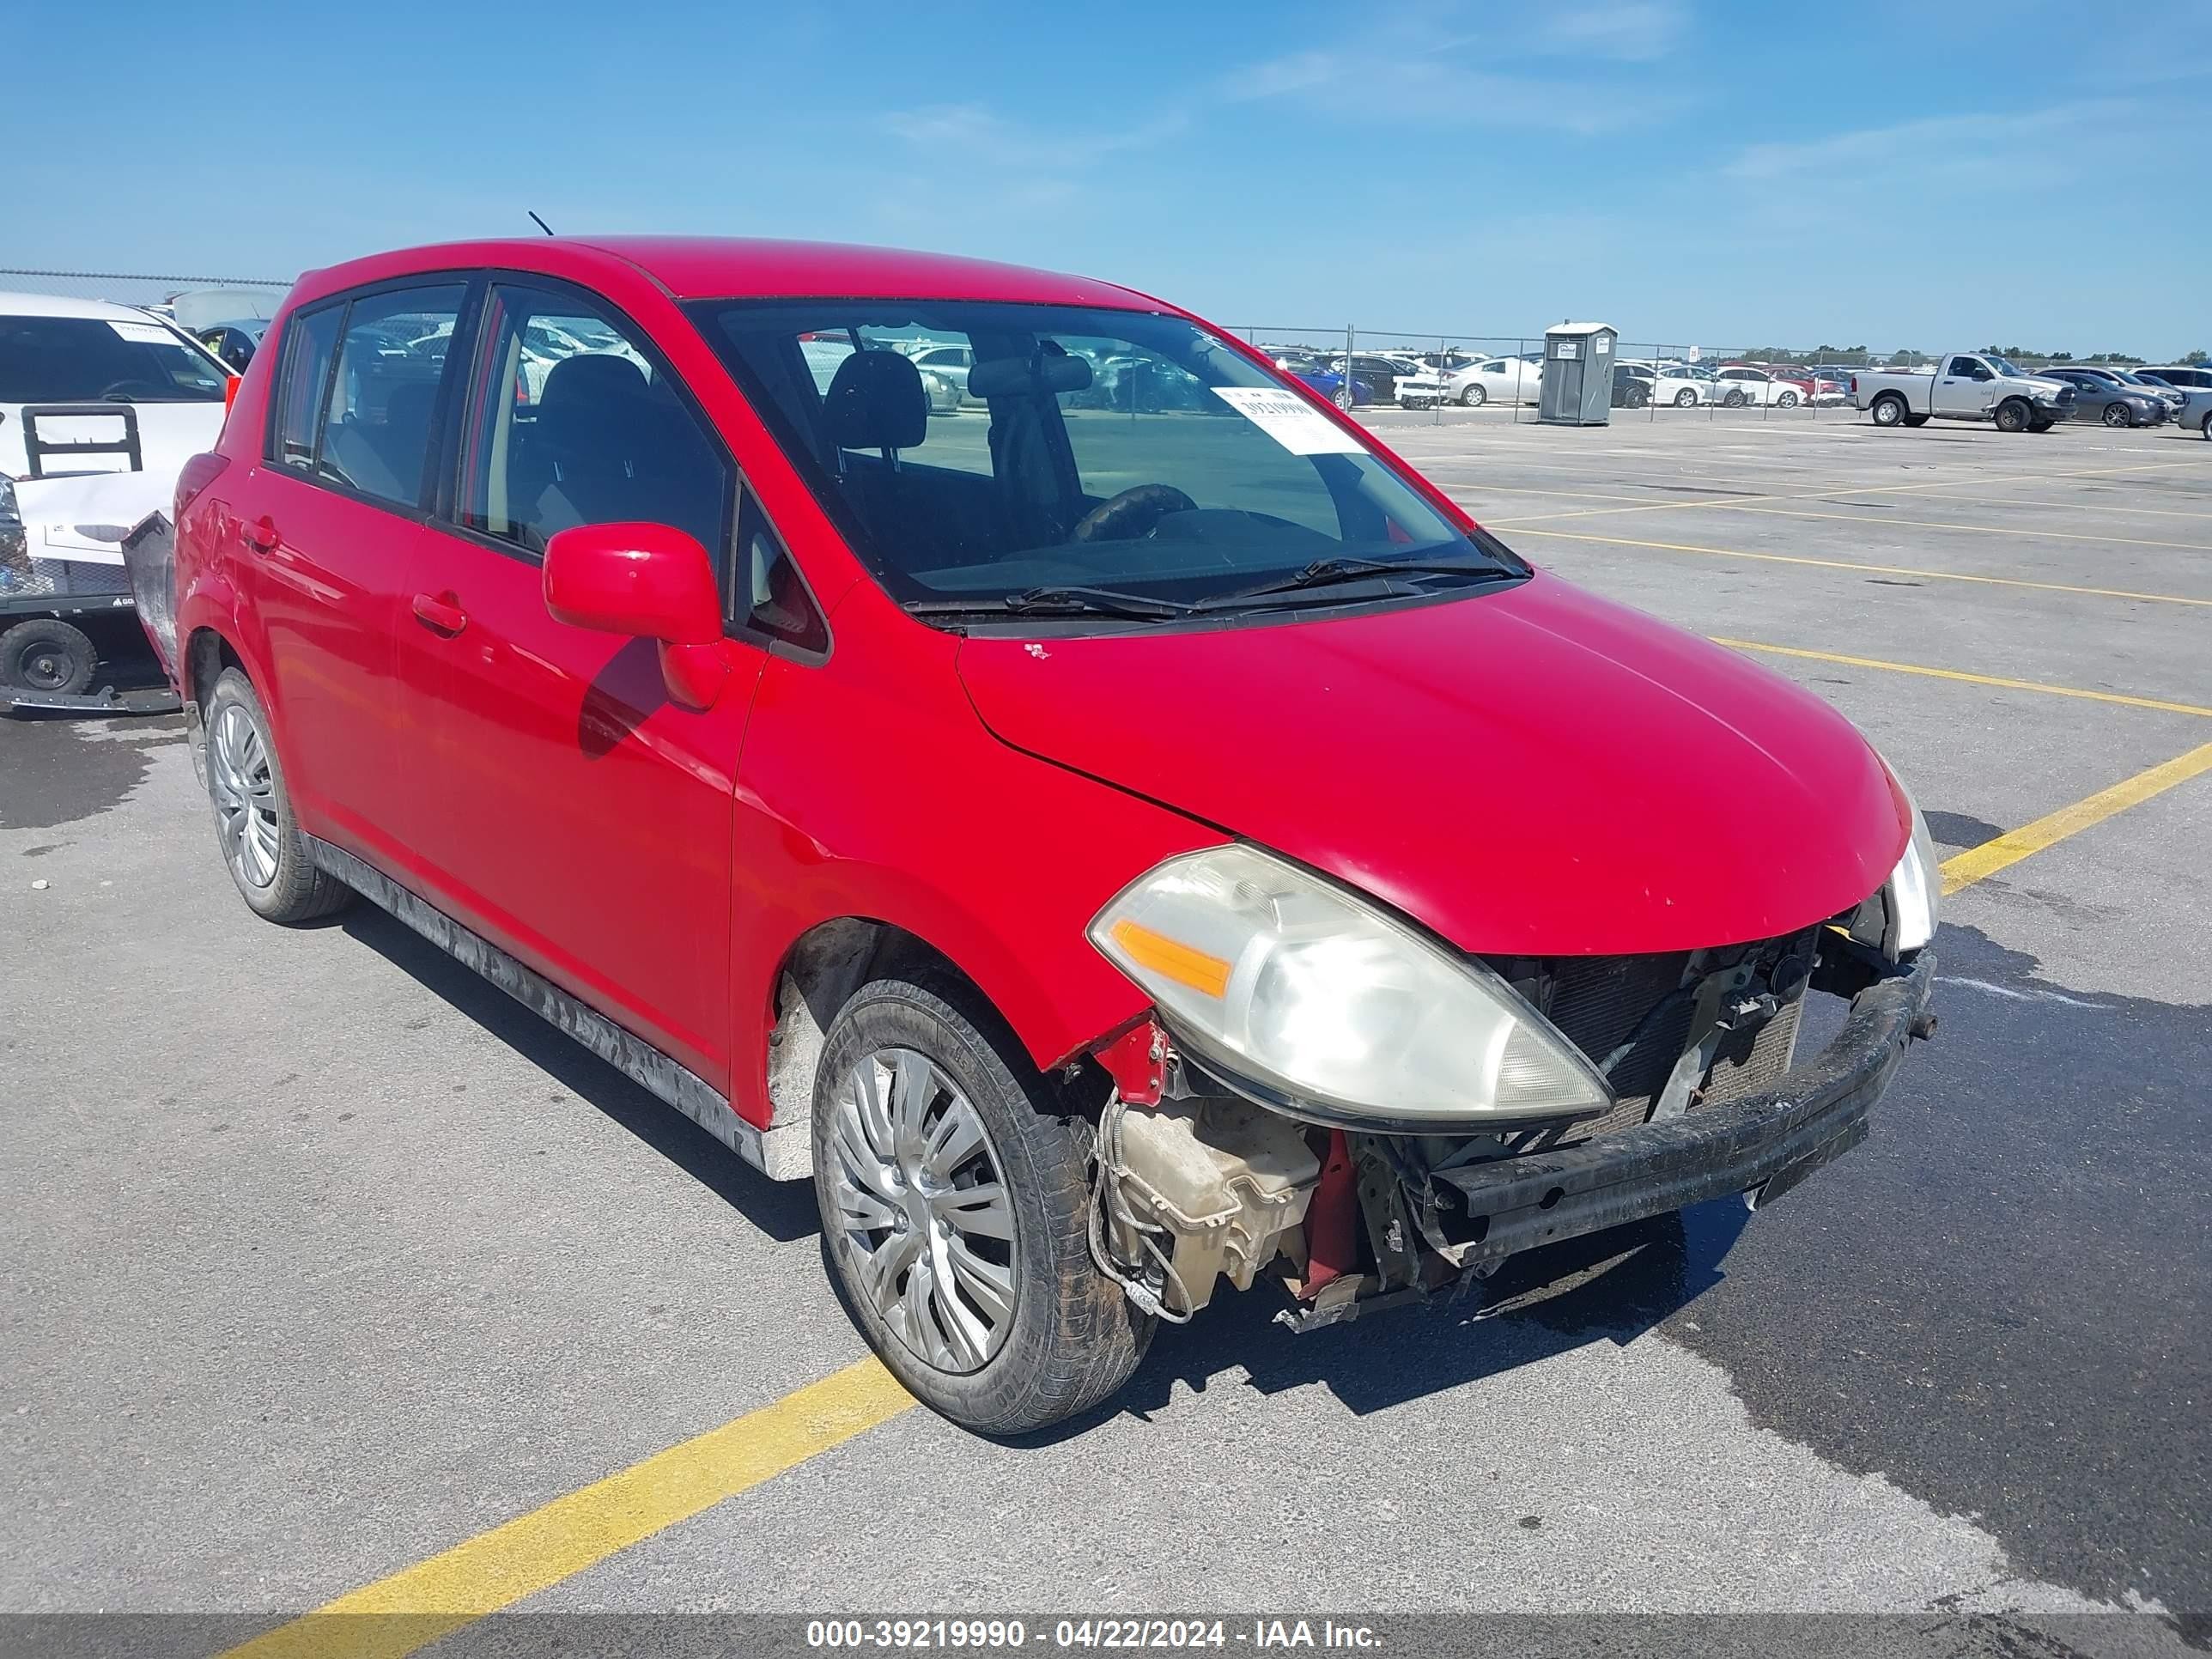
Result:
327,538
1963,387
568,809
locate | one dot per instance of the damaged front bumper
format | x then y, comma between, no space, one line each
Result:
1760,1146
1472,1217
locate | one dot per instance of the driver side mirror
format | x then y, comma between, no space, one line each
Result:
649,581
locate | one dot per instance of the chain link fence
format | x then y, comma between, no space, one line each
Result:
140,289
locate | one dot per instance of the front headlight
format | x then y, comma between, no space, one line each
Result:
1337,1011
1914,887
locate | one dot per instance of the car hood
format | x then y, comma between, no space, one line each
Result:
1531,770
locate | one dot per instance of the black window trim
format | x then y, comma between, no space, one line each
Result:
444,514
343,302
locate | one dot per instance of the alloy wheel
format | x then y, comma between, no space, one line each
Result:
925,1208
2118,415
244,787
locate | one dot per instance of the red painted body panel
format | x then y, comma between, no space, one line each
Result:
1533,770
1526,771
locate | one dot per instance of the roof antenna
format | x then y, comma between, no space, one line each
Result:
539,222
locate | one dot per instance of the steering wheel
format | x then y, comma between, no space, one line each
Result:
1132,513
123,390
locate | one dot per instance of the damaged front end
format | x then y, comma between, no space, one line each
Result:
1206,1174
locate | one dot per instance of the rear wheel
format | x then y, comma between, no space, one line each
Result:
1344,398
47,655
1735,399
2205,426
1787,400
1686,399
2012,415
253,821
955,1199
1471,396
1888,410
2118,415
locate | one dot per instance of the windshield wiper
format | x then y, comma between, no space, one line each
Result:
1328,573
1058,602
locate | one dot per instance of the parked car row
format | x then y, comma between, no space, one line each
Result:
1982,385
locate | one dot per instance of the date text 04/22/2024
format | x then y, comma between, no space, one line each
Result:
989,1635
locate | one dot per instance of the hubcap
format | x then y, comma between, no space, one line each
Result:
245,793
923,1204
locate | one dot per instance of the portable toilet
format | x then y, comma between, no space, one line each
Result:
1578,384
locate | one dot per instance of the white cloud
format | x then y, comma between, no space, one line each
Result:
1632,32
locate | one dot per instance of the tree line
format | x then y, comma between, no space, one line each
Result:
1859,357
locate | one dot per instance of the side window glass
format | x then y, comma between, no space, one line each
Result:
571,421
302,374
776,601
376,435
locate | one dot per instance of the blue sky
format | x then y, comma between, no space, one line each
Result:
1923,173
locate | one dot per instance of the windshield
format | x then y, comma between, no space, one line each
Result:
84,360
2002,367
1065,447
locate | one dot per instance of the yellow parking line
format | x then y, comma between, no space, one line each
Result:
418,1605
2074,506
1976,529
1839,489
1964,869
1999,680
1854,564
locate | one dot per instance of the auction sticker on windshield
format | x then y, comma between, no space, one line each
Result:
1289,421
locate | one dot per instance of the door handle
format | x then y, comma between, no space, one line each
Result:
441,614
261,535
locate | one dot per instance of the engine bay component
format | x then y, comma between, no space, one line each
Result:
1215,1186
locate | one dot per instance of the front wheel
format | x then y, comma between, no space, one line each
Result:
1733,400
2041,423
2012,415
955,1199
1787,400
1473,397
2205,426
1686,399
2118,415
1344,399
47,655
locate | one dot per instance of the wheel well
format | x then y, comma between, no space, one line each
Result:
825,965
205,658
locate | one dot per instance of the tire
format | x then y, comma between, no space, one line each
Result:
254,824
1343,397
2205,426
2013,415
1787,400
46,655
1686,399
1889,410
1735,399
2041,423
1023,1342
1916,420
2118,415
1471,396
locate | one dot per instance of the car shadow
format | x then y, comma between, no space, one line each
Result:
784,1210
1608,1287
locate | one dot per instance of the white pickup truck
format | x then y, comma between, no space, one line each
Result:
1963,386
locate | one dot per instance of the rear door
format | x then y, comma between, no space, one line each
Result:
568,809
328,526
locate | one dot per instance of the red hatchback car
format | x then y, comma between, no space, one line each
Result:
1113,844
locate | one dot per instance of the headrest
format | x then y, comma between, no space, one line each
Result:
408,406
1053,369
876,401
592,377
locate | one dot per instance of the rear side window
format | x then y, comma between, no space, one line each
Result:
302,372
571,420
376,433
